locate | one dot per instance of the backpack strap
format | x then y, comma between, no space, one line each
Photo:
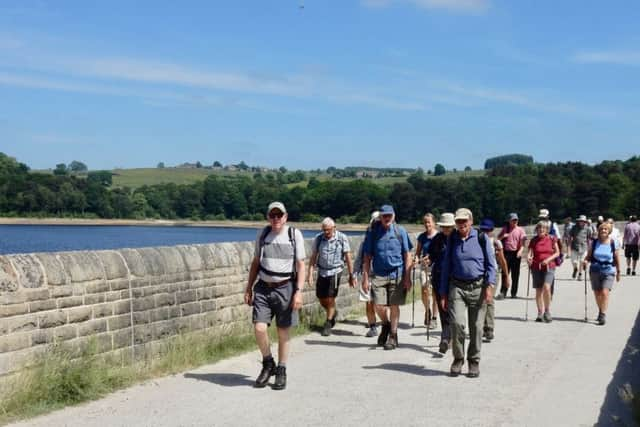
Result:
482,239
292,241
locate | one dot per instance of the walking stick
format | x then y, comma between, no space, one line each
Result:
413,296
429,313
526,312
585,295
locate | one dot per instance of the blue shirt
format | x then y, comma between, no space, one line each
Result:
464,260
603,258
425,241
387,249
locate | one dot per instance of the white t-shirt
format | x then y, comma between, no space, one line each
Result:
277,254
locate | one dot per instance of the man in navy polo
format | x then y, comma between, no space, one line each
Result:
388,247
467,282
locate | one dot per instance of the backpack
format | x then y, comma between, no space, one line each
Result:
318,240
613,252
482,241
292,241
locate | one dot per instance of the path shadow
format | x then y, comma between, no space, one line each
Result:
354,322
512,318
408,369
620,407
342,332
570,319
344,344
226,380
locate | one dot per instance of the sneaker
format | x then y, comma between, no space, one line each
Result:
539,318
281,378
443,347
434,323
547,317
474,369
501,296
602,319
326,330
456,367
384,333
392,342
268,369
514,296
628,271
333,321
575,272
372,332
488,334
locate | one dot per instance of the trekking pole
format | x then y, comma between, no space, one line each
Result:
585,295
526,311
413,296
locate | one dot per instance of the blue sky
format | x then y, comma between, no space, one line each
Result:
403,83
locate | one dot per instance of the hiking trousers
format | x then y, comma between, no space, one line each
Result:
466,303
444,318
513,262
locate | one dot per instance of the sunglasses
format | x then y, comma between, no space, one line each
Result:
275,215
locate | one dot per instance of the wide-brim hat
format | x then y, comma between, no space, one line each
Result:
446,220
544,213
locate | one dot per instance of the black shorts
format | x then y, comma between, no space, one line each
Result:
327,287
631,251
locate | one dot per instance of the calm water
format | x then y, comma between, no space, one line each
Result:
54,238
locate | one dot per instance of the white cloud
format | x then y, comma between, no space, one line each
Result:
618,57
460,6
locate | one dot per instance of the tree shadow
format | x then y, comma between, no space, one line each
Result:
342,332
226,380
355,322
408,369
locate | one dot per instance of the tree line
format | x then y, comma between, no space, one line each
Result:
611,188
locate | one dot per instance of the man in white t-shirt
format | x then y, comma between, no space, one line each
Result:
278,264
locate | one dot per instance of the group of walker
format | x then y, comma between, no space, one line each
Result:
458,272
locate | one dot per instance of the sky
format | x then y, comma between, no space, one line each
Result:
310,84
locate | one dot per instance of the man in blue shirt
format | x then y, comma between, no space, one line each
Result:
467,282
388,249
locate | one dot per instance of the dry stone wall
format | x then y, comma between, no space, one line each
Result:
128,300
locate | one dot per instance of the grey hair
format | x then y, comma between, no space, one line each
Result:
429,215
328,222
543,223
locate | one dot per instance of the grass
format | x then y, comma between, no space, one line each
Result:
60,379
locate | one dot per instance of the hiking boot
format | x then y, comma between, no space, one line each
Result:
434,323
501,296
539,318
281,378
474,369
372,332
392,342
268,369
580,276
547,317
456,367
633,273
514,296
575,272
628,271
333,320
488,334
384,333
443,347
427,315
326,330
602,319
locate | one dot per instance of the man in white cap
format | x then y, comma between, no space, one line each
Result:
553,230
278,264
579,240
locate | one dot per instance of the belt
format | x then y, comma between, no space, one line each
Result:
466,283
276,284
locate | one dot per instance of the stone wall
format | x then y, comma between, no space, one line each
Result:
128,300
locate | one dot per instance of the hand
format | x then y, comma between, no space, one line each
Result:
365,286
352,281
444,303
544,262
406,283
488,294
584,265
248,297
297,300
529,261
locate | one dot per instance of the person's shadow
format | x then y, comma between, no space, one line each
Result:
408,369
226,380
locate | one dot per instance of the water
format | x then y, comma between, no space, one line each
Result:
54,238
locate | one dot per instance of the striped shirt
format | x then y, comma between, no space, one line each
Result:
331,253
277,254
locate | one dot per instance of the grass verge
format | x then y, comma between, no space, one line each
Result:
58,380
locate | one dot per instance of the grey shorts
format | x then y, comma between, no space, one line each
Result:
539,278
385,291
269,302
601,281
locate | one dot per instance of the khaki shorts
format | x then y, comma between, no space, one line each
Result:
385,291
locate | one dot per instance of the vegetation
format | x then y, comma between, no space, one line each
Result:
507,160
611,188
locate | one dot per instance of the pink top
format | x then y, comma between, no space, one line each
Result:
515,240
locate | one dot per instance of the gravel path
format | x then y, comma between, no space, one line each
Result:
531,375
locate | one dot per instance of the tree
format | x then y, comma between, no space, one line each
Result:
160,165
439,169
243,166
199,165
77,167
508,159
282,169
61,169
217,164
103,178
467,168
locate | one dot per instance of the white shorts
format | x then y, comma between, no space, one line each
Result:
577,257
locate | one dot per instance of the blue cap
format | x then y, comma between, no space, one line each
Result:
386,210
512,216
487,224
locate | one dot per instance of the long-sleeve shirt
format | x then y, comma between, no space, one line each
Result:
464,260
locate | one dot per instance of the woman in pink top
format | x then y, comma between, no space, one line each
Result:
513,239
543,251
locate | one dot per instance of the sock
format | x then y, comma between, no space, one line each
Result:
282,364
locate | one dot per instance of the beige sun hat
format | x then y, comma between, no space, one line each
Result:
446,220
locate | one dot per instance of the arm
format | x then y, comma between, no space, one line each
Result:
253,273
312,264
523,241
349,261
556,252
490,273
502,262
616,257
366,267
587,258
297,297
408,264
443,286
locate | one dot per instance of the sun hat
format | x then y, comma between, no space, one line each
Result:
487,224
276,205
582,218
512,216
463,213
446,220
544,213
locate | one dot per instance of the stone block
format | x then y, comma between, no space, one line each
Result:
204,293
13,310
121,307
51,319
30,274
222,253
64,333
82,266
102,310
8,276
79,314
153,261
113,264
119,322
208,305
54,269
142,334
95,287
191,257
140,318
190,308
17,324
186,296
69,302
121,338
173,261
119,284
14,342
134,262
92,327
112,296
92,299
159,314
207,257
163,300
174,312
143,304
60,291
45,305
42,336
164,329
